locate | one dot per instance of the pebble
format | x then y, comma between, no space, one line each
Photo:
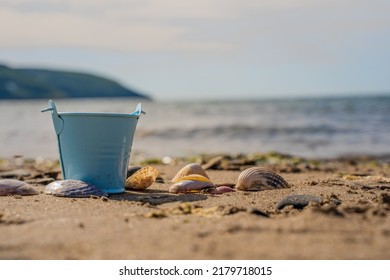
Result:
298,201
15,187
74,189
257,212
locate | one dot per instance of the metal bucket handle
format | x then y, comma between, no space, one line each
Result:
57,120
138,110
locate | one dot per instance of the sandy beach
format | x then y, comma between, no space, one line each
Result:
352,221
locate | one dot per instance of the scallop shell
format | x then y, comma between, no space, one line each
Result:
190,169
257,179
73,188
142,179
15,187
190,186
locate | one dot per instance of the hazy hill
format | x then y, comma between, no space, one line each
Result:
40,83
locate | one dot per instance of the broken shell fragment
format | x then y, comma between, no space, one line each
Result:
190,169
142,179
73,188
190,186
257,179
15,187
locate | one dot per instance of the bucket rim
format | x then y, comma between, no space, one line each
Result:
98,114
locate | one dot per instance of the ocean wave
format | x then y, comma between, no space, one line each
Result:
243,131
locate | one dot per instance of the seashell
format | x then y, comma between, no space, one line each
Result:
15,187
257,179
73,188
190,169
194,177
142,179
189,186
131,170
221,190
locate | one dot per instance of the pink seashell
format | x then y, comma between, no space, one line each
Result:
221,190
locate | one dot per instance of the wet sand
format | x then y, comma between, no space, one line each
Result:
155,224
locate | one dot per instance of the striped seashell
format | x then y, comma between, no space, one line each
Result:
194,177
15,187
190,186
190,169
142,179
73,188
258,178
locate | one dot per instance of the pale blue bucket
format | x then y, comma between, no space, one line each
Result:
95,147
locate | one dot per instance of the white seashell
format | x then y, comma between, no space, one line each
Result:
15,187
257,179
73,188
142,179
190,169
189,186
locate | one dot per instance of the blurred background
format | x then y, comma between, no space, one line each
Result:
301,77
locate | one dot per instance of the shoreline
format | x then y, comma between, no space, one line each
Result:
156,224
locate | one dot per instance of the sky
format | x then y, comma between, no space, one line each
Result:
207,49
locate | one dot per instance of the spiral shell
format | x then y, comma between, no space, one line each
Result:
142,179
15,187
190,169
257,179
73,188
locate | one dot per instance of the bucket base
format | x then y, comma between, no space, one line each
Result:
108,186
115,191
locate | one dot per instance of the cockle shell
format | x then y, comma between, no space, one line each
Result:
15,187
73,188
190,186
142,179
190,169
257,179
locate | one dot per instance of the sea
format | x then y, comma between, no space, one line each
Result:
309,127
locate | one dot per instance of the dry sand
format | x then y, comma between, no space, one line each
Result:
155,224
